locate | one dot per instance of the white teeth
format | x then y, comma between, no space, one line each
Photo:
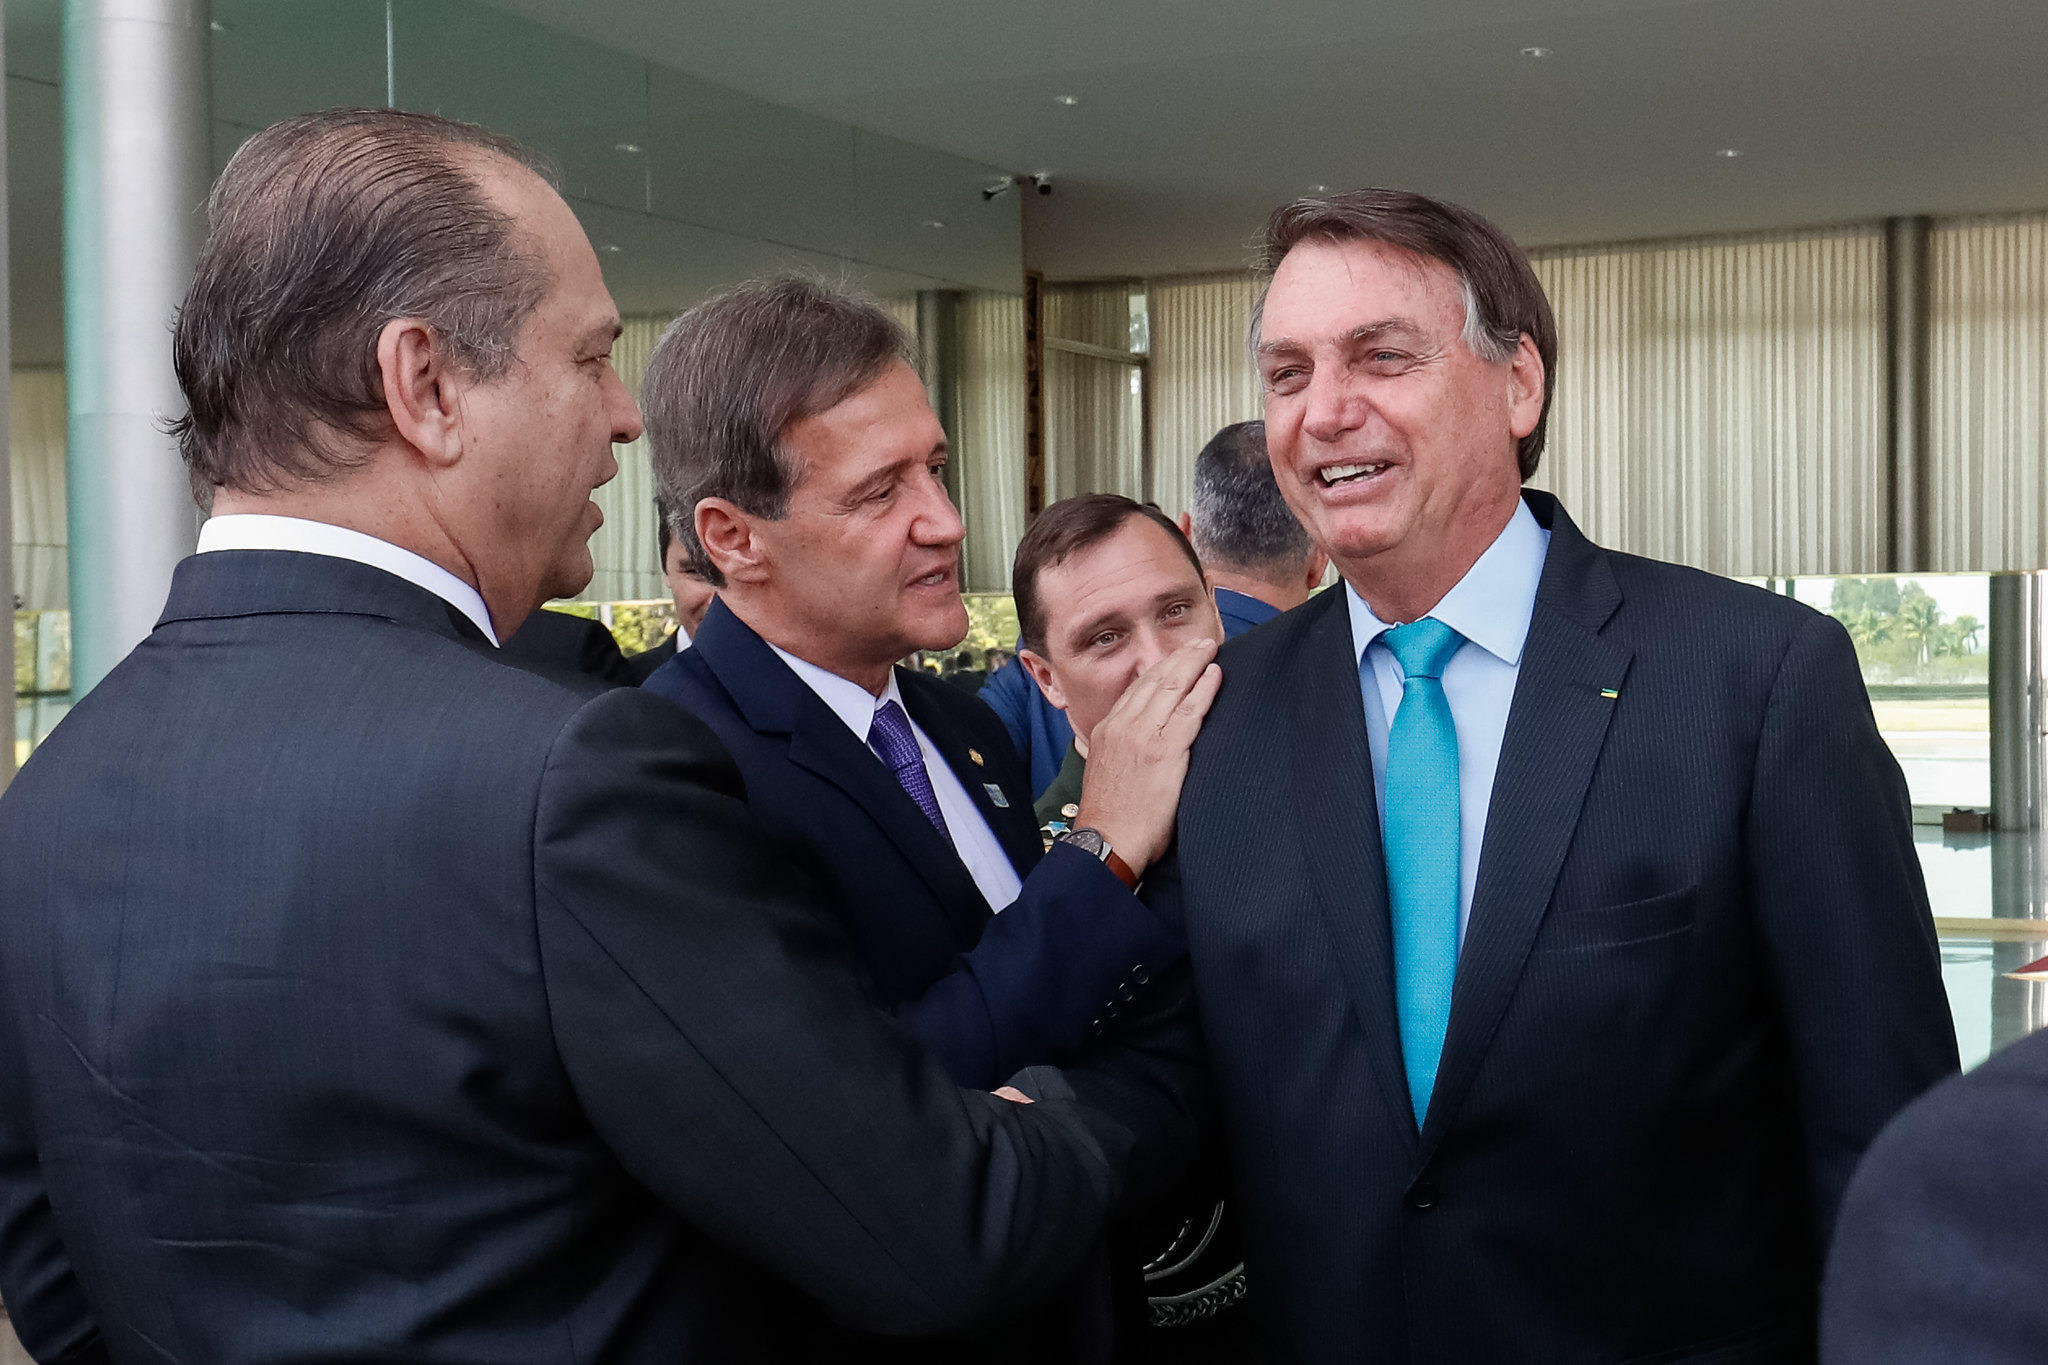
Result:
1337,473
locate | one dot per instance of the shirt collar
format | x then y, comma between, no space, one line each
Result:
1492,604
848,700
265,531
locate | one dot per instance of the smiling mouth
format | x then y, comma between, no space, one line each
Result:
1331,476
937,578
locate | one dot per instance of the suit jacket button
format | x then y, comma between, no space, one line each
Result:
1125,993
1423,1195
1096,1028
1139,975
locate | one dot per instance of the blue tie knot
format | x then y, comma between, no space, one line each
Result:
1423,647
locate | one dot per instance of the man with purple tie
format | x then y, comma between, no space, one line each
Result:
792,434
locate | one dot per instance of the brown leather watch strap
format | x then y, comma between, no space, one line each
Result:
1116,864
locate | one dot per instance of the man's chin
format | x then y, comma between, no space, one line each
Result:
942,628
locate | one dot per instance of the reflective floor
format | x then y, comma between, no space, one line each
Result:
1990,899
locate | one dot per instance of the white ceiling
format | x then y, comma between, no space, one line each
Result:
1196,117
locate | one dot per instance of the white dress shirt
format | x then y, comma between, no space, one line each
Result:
1490,606
262,531
973,840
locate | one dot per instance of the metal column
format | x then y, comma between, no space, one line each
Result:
2015,669
6,455
137,161
938,340
1906,308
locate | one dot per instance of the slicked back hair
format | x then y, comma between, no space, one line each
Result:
1064,530
1236,512
729,377
322,229
1503,299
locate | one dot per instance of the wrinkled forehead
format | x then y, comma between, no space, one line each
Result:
1327,288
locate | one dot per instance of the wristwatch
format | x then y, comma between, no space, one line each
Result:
1091,842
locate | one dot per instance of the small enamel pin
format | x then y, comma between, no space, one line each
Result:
1611,693
995,793
974,757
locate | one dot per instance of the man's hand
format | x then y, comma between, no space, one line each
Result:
1138,755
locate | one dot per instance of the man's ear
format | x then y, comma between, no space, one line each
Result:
1187,525
1525,388
1318,565
421,395
728,536
1041,673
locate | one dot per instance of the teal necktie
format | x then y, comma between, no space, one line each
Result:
1422,847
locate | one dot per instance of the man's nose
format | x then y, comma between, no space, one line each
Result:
938,522
1331,406
626,425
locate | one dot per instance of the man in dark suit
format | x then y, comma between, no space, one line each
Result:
1258,558
1554,914
788,416
554,642
363,998
1940,1254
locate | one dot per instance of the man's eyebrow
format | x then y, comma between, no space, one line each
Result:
603,333
1380,330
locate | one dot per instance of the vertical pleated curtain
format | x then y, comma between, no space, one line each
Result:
1200,371
626,548
1094,407
1988,393
1722,403
988,448
35,432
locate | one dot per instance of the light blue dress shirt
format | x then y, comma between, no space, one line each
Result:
1490,606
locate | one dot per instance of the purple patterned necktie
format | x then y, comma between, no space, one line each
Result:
892,741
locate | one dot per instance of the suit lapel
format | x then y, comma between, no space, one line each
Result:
1013,825
775,701
1339,818
1556,728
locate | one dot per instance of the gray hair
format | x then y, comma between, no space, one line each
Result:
728,378
1236,513
321,230
1504,301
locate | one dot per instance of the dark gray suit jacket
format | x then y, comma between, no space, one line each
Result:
365,998
1699,975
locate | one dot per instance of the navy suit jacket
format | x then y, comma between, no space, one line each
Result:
1699,975
1939,1255
988,993
364,998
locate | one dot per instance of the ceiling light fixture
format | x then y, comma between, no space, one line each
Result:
933,223
629,148
611,248
1069,100
1729,153
1535,54
1318,189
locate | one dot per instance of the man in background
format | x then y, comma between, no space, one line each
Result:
1257,557
363,998
1105,587
686,588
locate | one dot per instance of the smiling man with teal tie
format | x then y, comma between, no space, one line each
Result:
1556,926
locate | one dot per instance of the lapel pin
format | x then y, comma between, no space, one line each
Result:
974,757
1611,693
995,793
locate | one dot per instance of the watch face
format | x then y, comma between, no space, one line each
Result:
1088,840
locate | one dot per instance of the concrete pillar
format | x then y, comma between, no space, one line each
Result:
1906,307
137,160
2015,669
